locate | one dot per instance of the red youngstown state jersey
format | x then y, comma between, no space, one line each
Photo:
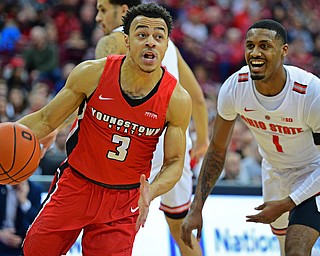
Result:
114,138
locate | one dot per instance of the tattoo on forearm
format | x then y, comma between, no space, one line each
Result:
211,169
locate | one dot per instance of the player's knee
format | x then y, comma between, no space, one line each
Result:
296,251
174,226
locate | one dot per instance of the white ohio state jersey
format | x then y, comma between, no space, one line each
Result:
284,134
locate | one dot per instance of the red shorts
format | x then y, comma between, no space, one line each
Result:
73,204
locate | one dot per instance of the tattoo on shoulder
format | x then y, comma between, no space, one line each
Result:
107,47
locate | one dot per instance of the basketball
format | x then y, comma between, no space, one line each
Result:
19,153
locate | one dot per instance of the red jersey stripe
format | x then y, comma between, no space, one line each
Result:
243,77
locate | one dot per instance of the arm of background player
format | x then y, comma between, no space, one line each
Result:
110,44
199,107
211,169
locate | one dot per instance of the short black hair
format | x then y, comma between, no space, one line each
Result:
150,10
273,25
129,3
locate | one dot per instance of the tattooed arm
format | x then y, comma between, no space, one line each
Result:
210,171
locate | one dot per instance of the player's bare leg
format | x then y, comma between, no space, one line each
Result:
300,240
175,230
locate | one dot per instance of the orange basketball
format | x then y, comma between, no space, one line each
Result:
19,153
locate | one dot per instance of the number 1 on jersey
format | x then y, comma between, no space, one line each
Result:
275,140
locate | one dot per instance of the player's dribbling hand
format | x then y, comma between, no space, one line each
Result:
47,141
144,202
192,221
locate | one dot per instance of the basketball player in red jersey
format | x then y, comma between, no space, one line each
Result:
175,203
125,102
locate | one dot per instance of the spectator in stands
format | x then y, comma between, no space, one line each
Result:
9,36
4,117
39,96
16,74
231,174
19,204
298,31
18,99
251,164
74,47
66,20
236,141
87,20
56,154
3,87
42,57
201,72
193,27
300,56
66,70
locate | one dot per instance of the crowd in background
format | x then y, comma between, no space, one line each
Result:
42,40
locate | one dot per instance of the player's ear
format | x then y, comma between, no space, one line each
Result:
126,41
284,50
124,9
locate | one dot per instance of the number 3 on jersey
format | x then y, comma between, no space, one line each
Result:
122,149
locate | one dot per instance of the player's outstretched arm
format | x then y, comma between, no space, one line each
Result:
80,84
199,107
211,169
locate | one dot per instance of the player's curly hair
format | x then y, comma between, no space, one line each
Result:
150,10
273,25
129,3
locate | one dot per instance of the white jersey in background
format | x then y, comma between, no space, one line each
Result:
283,132
178,198
292,119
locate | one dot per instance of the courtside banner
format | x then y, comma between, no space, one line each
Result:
226,232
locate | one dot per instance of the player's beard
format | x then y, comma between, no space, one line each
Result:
256,76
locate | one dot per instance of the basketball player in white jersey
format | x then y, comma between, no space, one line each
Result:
280,104
175,204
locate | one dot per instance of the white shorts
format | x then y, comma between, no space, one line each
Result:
177,201
278,184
